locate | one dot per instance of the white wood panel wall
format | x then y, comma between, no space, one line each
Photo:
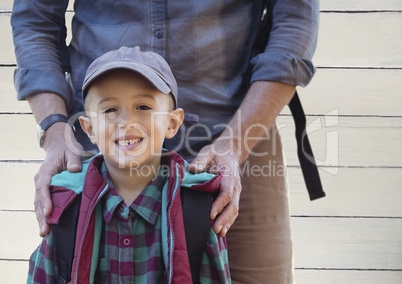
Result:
354,107
354,234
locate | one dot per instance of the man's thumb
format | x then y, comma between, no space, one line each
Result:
73,162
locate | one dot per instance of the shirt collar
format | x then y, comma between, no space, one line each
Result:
147,204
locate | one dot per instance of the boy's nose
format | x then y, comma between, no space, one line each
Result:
129,122
132,128
126,119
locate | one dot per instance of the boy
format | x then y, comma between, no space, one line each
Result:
130,225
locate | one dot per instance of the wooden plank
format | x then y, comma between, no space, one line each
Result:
330,243
7,47
360,40
13,272
21,237
8,99
360,5
353,92
360,92
345,276
370,40
348,141
347,243
6,5
21,142
350,192
352,141
17,185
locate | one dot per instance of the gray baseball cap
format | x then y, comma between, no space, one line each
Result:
149,64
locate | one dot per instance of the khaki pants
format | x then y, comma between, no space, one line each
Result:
260,245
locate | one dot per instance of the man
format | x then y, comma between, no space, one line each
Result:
231,129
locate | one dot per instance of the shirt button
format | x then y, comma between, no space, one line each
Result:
159,34
126,242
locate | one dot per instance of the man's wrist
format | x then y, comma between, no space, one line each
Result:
46,104
58,134
256,116
46,123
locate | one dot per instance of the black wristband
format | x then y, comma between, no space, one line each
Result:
52,119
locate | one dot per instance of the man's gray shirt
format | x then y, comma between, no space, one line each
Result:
207,44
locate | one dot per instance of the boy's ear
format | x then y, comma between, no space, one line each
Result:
86,125
175,119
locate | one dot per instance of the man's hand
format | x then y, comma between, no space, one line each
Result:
262,104
218,158
59,157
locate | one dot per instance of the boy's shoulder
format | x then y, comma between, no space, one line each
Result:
67,186
202,181
73,181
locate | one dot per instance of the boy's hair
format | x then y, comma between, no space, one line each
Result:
150,65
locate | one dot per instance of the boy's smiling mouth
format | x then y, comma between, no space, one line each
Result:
128,142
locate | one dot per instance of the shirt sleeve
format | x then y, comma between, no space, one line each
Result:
39,32
215,263
43,264
292,41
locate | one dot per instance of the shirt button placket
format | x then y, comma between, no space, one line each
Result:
158,22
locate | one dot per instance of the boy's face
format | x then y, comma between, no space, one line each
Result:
128,119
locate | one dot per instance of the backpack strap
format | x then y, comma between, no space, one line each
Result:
196,210
304,151
64,235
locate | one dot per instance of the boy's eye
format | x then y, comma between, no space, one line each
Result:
143,107
109,110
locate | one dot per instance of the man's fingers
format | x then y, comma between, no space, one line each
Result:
230,188
40,217
223,199
226,219
226,204
44,200
43,203
43,208
229,213
42,194
200,163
